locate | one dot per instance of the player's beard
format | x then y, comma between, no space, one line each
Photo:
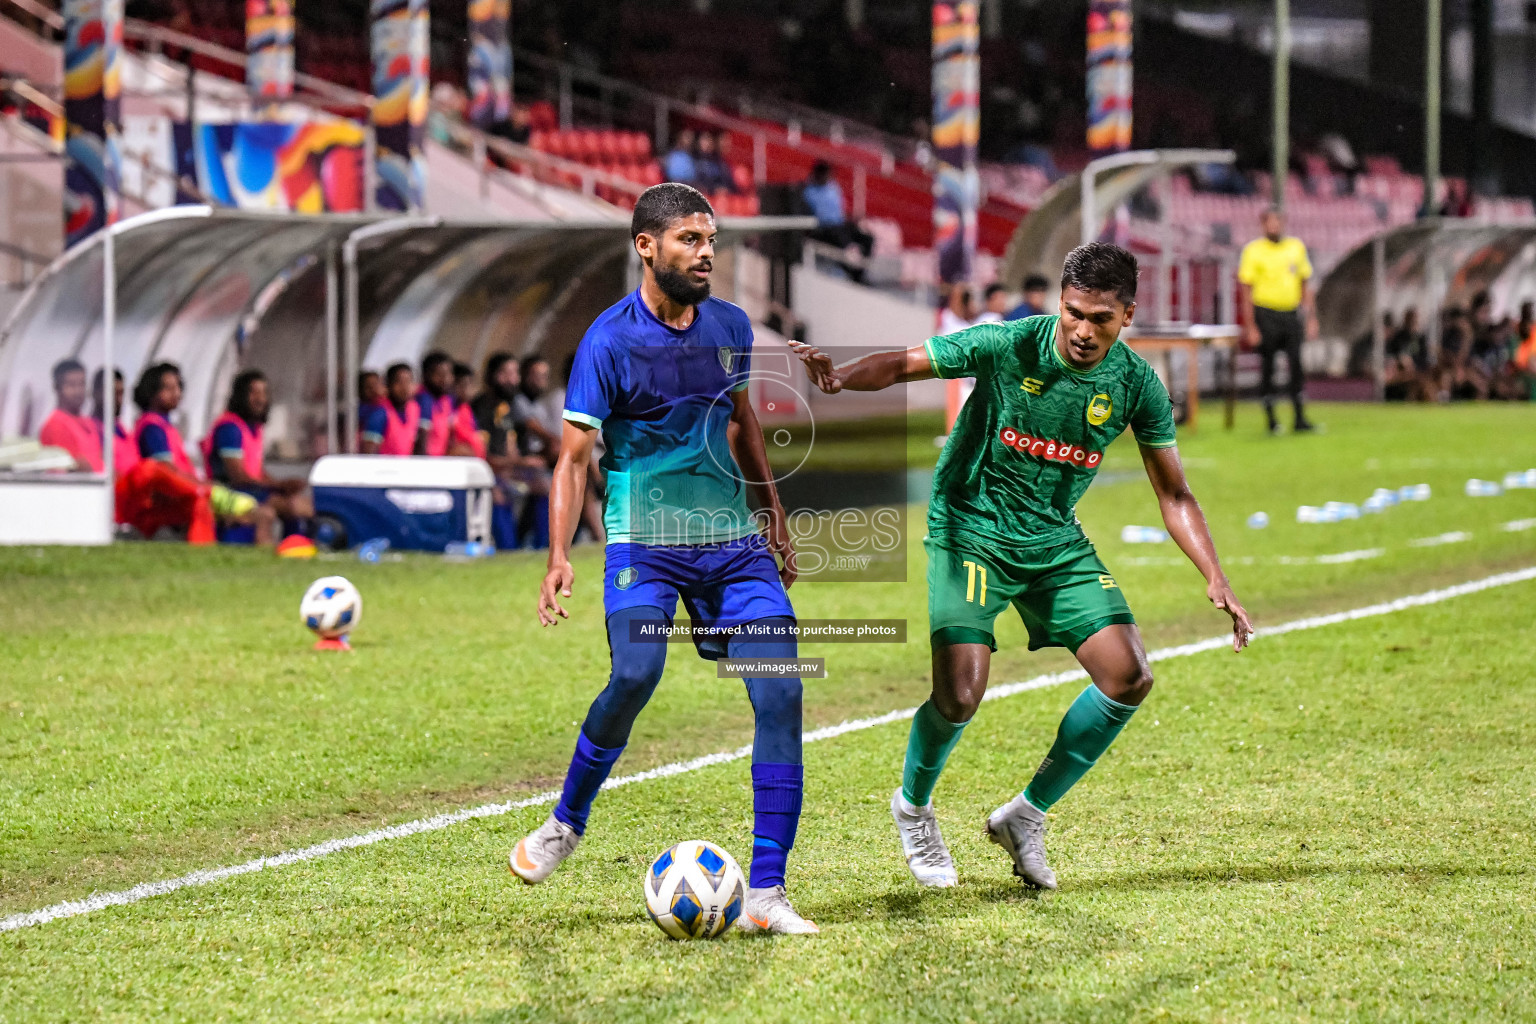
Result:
676,285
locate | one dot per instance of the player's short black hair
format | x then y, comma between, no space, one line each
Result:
64,366
394,371
1036,283
660,205
240,392
1101,267
432,361
148,387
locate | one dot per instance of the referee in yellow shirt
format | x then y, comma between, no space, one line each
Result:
1278,309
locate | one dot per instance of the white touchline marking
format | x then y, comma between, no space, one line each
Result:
143,891
1350,556
1518,525
1454,537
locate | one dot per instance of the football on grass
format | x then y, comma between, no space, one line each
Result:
332,607
694,890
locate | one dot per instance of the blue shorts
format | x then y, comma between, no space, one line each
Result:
722,585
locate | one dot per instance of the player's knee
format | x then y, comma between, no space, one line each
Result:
639,670
1135,686
958,703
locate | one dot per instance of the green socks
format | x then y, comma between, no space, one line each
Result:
928,746
1086,731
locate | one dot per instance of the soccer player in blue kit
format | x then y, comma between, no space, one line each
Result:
663,374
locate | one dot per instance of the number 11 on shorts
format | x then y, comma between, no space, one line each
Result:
971,572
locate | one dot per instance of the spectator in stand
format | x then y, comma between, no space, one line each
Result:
1523,364
538,419
391,425
68,427
463,383
710,171
370,392
234,453
1036,287
124,452
446,426
678,164
1277,302
959,310
163,490
1405,363
536,430
823,196
518,127
994,305
518,476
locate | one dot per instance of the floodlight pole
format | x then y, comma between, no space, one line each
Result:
1432,109
1282,103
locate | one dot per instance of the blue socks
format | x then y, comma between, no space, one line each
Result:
589,769
777,792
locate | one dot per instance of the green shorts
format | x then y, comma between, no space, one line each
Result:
1063,593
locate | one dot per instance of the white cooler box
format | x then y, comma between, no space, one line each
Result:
419,503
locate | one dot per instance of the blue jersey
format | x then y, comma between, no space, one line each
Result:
662,398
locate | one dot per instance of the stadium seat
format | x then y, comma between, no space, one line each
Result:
741,176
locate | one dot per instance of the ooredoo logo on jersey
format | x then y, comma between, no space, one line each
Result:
1051,451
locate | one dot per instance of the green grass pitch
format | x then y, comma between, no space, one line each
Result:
1335,825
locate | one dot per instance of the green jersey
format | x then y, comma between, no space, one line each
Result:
1030,438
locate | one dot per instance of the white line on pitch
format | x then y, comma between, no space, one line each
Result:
100,901
1454,537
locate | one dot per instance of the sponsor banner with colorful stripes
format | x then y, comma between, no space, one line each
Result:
269,49
956,129
401,38
490,62
1109,75
93,44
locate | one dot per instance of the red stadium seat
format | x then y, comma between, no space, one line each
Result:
586,148
541,115
539,140
640,147
610,146
651,174
741,176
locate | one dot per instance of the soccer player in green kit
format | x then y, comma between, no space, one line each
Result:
1051,393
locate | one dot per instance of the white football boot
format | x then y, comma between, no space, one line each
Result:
768,911
1019,827
536,856
927,857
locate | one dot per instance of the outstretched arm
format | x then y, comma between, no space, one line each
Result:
566,494
746,440
1186,524
871,373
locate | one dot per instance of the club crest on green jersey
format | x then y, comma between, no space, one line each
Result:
1100,408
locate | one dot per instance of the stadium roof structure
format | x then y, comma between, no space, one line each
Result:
309,300
1068,215
1429,265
